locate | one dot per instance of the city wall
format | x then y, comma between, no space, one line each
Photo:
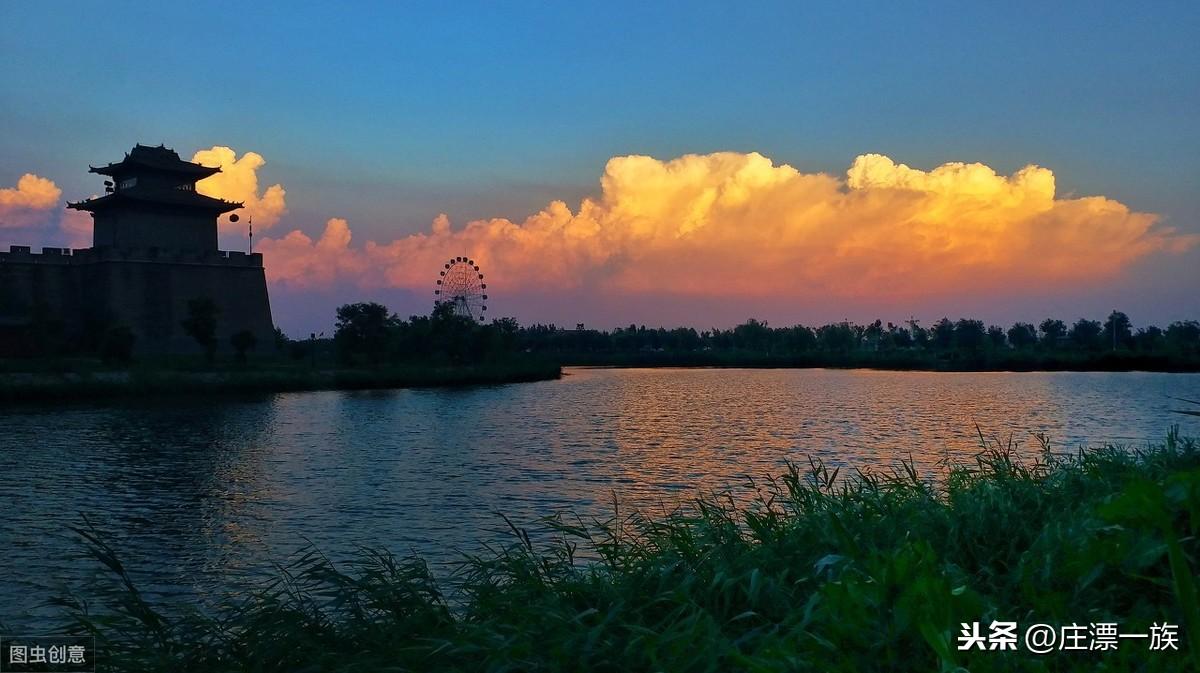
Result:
146,290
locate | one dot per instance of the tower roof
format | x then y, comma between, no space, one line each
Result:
156,159
168,197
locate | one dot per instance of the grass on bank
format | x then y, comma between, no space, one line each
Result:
141,381
823,572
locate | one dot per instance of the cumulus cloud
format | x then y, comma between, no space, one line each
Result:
34,206
732,224
308,263
75,229
238,181
35,202
25,204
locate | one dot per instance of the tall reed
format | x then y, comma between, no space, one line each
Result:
822,571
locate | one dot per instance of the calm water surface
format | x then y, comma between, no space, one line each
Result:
200,496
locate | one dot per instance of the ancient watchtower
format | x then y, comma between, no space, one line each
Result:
154,248
152,202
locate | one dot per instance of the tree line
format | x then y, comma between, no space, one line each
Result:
368,333
1115,333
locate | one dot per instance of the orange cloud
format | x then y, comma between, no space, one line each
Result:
238,181
35,200
309,263
23,205
731,224
75,228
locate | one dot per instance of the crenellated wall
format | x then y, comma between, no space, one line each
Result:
62,256
146,290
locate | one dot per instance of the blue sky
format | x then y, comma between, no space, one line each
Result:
388,114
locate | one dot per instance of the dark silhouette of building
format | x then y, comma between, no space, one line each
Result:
154,248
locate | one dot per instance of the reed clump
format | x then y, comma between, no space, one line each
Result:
822,571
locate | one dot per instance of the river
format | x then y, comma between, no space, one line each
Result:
199,496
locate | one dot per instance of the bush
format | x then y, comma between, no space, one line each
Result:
201,325
242,341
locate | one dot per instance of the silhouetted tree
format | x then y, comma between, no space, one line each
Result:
873,334
969,334
506,332
362,329
686,338
1085,334
838,337
298,349
996,337
1053,332
1149,339
369,331
798,339
1184,336
1117,331
243,341
920,335
201,325
900,337
943,334
453,334
752,335
281,340
1022,335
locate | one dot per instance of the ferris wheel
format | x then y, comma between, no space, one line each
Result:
460,284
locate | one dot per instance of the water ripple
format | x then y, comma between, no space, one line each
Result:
200,497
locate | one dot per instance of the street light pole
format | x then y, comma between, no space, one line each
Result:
1113,320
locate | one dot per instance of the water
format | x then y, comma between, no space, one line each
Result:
200,497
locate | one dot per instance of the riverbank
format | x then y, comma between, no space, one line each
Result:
894,361
84,379
83,383
826,571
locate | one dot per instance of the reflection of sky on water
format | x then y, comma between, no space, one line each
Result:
199,496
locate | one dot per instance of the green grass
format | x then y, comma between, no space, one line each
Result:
821,572
146,380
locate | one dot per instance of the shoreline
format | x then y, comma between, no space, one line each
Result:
57,381
1103,363
43,386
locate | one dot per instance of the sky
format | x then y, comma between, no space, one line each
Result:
655,163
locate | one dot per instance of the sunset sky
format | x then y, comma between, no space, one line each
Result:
616,163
